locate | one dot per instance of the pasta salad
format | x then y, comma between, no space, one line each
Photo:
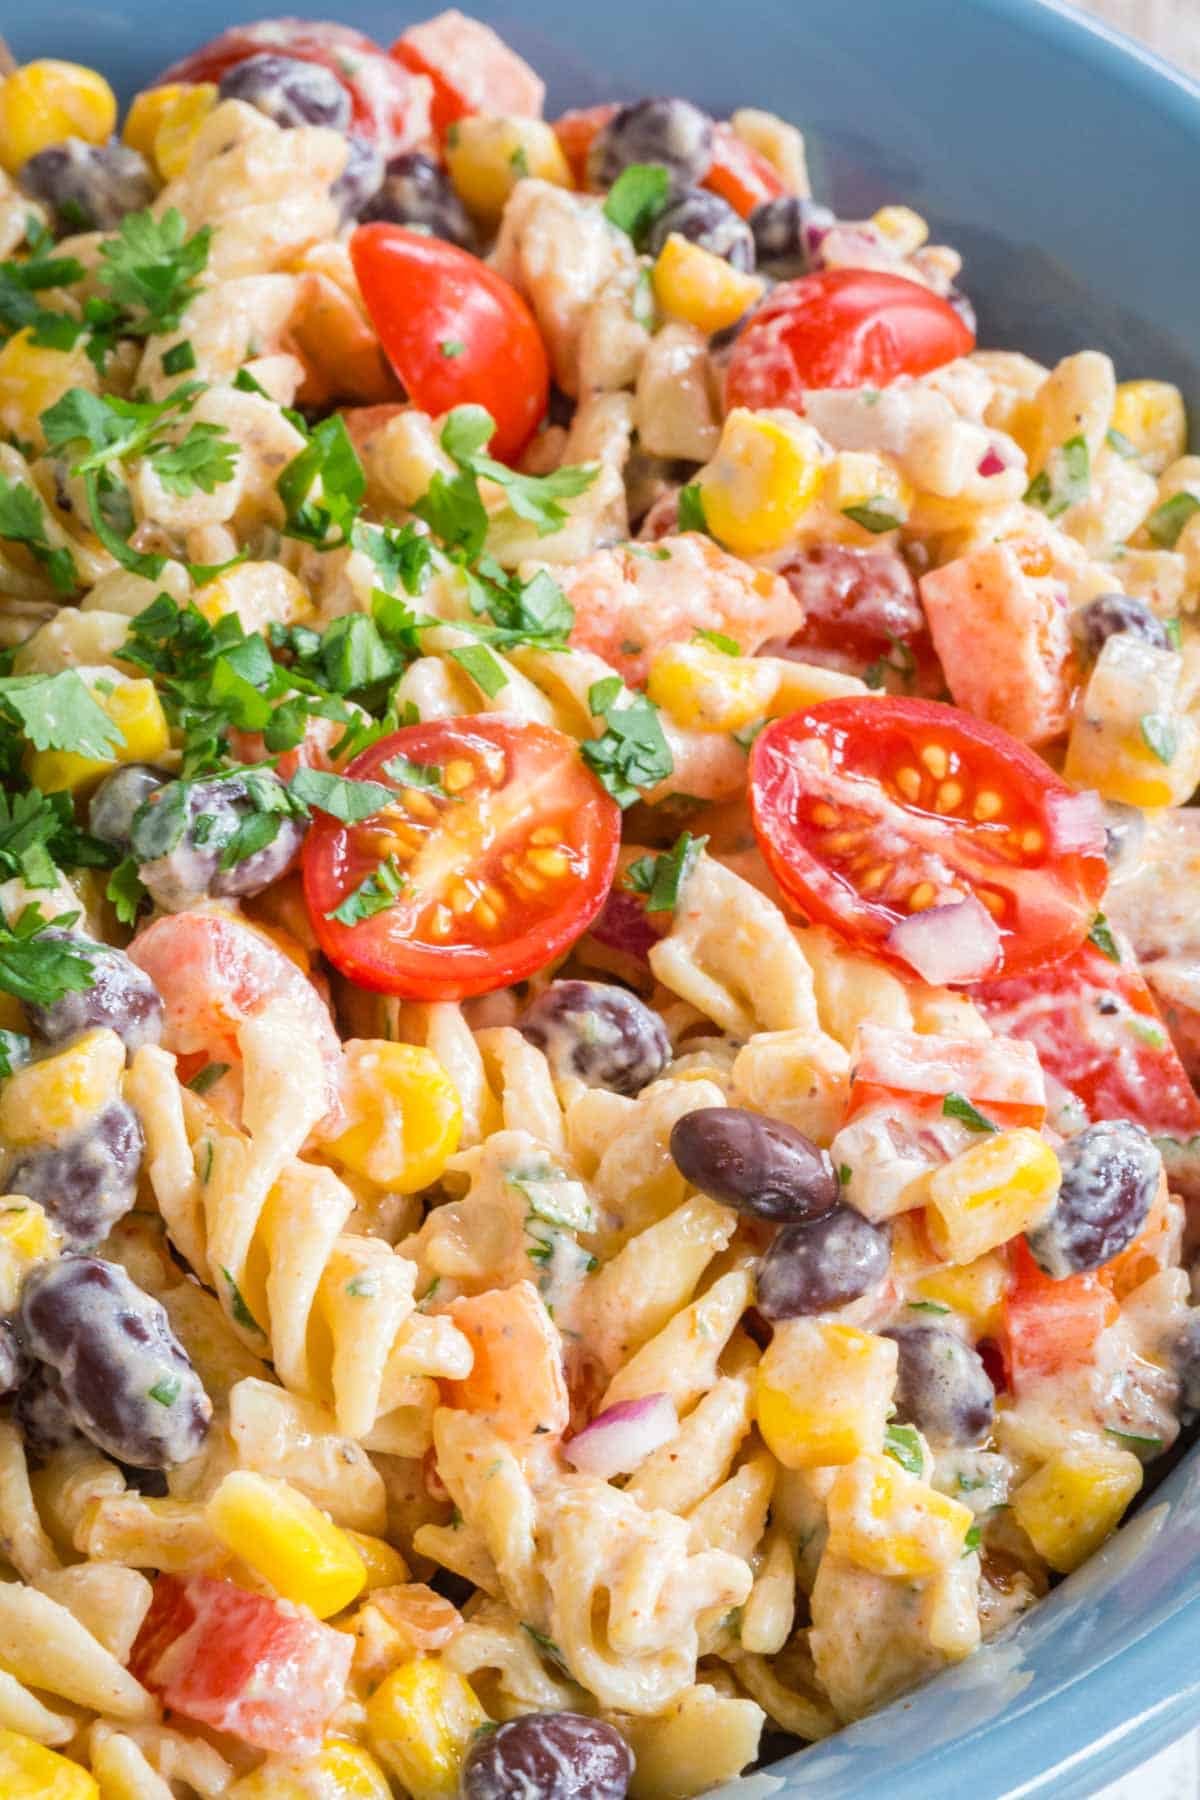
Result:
599,981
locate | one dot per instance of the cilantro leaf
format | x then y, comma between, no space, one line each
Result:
1065,480
661,878
632,753
876,514
1141,1446
328,457
1101,935
426,777
374,894
349,801
402,557
15,1051
39,969
1116,440
479,663
973,1538
927,1306
717,640
23,521
957,1106
636,197
57,712
691,509
204,458
902,1444
453,507
125,891
150,268
525,612
1165,524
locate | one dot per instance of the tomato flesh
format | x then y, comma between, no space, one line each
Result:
507,849
389,108
1098,1032
915,1071
868,810
841,328
1050,1326
241,1663
575,131
741,174
422,294
472,70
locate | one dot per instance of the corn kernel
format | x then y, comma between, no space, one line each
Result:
179,125
761,482
420,1722
49,1099
904,229
45,102
823,1392
404,1115
975,1289
989,1193
280,1534
1069,1507
384,1565
891,1522
136,711
1151,415
702,289
28,1771
147,111
260,594
32,379
860,480
346,1770
488,153
708,691
1131,738
26,1237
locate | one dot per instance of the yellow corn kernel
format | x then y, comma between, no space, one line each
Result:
179,125
45,102
384,1565
47,1100
1131,738
707,690
147,111
823,1392
891,1522
975,1289
28,1771
420,1722
32,379
26,1237
904,229
859,481
762,480
346,1770
704,290
281,1535
488,153
136,711
1151,415
986,1195
260,594
1069,1507
404,1115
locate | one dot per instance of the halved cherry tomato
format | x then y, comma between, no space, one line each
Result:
1049,1326
867,810
741,174
471,68
238,1662
390,108
575,131
422,295
915,1071
507,847
841,328
1097,1031
862,614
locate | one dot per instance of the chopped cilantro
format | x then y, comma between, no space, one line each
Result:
973,1538
632,753
482,667
525,612
38,968
150,268
349,801
957,1106
57,712
546,1645
534,498
519,162
402,555
1174,631
203,459
1101,935
126,891
1160,735
1148,1032
927,1306
717,640
744,739
330,458
1167,521
1065,480
166,1390
636,198
876,514
23,521
691,509
1141,1446
845,1174
1116,440
239,1312
15,1051
374,894
452,347
406,773
902,1444
661,878
180,359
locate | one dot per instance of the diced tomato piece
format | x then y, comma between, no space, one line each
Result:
575,131
312,752
1000,1076
471,68
741,174
1050,1326
1097,1031
238,1662
862,614
517,1381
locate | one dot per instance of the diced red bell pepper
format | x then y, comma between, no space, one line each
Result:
741,174
1051,1325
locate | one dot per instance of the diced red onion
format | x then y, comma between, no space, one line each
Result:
1076,823
992,463
948,944
620,1439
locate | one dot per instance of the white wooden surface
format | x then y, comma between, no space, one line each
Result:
1172,27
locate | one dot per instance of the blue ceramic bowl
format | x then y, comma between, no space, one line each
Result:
1062,161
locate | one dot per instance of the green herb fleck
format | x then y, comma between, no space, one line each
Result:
635,199
691,509
661,878
379,890
1065,480
957,1106
1160,735
1101,935
902,1444
207,1077
632,753
1165,524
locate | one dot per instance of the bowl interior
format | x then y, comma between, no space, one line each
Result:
1061,162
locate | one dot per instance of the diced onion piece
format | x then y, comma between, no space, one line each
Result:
1076,823
947,944
619,1440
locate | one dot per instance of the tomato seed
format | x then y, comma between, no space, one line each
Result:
908,780
936,761
949,796
457,775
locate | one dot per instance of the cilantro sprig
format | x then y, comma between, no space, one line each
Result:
23,521
374,894
41,969
453,507
632,753
661,878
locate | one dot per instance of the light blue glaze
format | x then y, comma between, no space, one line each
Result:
1065,164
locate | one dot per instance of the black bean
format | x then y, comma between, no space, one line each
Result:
1110,615
359,181
548,1756
1124,832
600,1034
186,838
787,233
827,1262
418,192
757,1165
288,90
124,1378
671,132
122,998
41,1413
89,187
942,1385
14,1364
709,221
112,806
1110,1175
87,1183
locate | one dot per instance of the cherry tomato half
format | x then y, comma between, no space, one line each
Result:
472,70
453,330
390,108
741,174
868,810
841,328
506,844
